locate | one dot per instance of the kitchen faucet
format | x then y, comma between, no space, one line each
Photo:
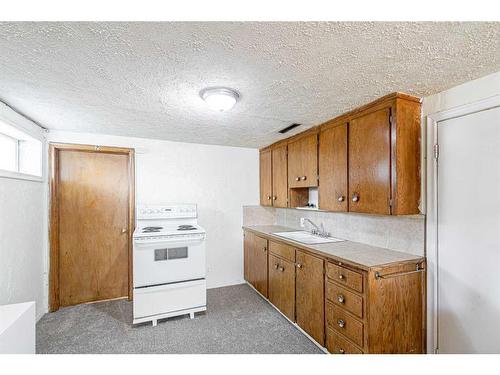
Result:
316,230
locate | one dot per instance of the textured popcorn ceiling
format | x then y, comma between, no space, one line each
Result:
143,79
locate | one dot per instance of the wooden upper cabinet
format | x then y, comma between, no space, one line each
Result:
303,162
266,178
279,176
332,166
309,307
369,163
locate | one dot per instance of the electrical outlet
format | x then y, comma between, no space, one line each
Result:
302,222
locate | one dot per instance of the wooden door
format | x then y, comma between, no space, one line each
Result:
280,176
369,163
332,165
259,264
303,162
91,225
282,285
266,178
310,296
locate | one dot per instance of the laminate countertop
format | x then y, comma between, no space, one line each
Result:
358,254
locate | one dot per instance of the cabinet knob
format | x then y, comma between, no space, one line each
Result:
276,266
275,197
340,198
297,178
299,265
341,351
282,269
340,298
341,323
303,178
341,277
124,230
355,197
269,197
264,249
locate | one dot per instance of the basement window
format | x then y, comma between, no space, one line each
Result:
20,154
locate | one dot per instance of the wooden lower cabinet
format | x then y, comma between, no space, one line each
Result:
342,307
282,285
309,297
255,262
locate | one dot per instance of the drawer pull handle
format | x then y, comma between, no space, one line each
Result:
341,323
303,178
341,351
282,269
340,298
355,197
341,277
297,178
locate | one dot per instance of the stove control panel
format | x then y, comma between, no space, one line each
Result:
177,211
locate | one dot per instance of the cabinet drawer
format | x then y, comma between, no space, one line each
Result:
344,323
344,276
338,345
342,297
282,250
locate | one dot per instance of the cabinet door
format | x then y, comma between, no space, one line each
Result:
303,162
259,265
265,178
310,295
282,285
332,165
369,163
247,250
280,177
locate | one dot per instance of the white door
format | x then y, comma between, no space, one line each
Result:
468,254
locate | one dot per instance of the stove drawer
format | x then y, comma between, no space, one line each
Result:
162,299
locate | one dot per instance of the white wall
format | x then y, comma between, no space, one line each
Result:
23,230
219,179
467,93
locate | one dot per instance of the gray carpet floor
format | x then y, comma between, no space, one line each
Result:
237,320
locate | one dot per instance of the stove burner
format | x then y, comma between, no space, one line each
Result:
151,229
186,227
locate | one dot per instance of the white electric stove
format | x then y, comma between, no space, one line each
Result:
169,263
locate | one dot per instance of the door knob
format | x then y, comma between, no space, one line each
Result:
340,198
355,197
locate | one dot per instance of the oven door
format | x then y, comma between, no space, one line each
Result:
162,262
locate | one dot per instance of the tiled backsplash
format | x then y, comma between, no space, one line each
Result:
402,233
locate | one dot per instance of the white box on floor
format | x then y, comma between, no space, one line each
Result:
17,328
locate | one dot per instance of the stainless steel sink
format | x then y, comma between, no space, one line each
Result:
306,237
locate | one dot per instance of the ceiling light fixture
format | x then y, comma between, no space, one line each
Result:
219,98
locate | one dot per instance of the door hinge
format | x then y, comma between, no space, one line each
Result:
390,202
317,177
436,151
436,351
